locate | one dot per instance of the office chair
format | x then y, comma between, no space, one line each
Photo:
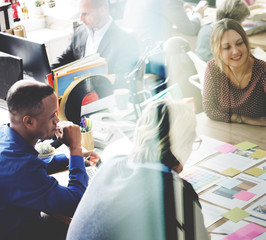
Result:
197,79
180,67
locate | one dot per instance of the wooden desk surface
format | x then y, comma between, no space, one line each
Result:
232,133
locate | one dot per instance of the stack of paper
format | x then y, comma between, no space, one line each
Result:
65,75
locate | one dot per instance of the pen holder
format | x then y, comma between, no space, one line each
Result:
87,140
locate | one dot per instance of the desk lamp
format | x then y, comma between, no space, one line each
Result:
134,74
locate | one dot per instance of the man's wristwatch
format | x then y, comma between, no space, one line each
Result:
239,119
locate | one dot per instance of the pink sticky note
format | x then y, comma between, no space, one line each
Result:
248,232
244,195
225,148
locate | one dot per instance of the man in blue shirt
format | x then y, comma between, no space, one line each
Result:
26,188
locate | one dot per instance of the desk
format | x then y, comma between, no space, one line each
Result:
232,133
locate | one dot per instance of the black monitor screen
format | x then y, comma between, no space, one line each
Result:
34,56
11,70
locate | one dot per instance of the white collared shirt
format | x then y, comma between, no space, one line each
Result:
94,38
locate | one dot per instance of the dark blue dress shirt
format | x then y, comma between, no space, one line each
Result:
26,188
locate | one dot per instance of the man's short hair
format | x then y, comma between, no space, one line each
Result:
27,97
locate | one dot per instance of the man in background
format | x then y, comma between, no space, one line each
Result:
25,186
100,34
158,20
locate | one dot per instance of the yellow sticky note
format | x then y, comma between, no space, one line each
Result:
231,172
236,214
255,171
246,145
258,154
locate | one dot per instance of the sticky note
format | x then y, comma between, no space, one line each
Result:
247,232
246,145
225,148
244,195
236,214
229,183
258,154
255,171
231,172
263,176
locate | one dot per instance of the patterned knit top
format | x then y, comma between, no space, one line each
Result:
221,98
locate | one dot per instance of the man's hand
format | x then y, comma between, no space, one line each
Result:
188,7
70,135
201,7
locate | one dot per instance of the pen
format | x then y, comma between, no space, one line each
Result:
82,126
89,122
85,124
217,233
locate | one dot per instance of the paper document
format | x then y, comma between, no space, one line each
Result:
211,213
224,197
200,179
258,211
206,149
222,162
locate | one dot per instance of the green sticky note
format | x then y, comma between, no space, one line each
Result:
236,214
255,171
246,145
231,172
258,154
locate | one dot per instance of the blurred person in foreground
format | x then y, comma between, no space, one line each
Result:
99,33
235,81
25,186
234,9
140,195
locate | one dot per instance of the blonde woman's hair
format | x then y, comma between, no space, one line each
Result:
165,129
234,9
218,31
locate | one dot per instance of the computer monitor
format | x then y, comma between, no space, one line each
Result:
11,70
34,56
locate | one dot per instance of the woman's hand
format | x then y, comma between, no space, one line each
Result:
261,121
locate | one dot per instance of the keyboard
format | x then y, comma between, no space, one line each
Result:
91,171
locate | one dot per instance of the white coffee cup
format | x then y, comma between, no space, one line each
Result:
121,98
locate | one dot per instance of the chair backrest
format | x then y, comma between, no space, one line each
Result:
200,66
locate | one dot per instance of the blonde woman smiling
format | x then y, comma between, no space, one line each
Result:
235,81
